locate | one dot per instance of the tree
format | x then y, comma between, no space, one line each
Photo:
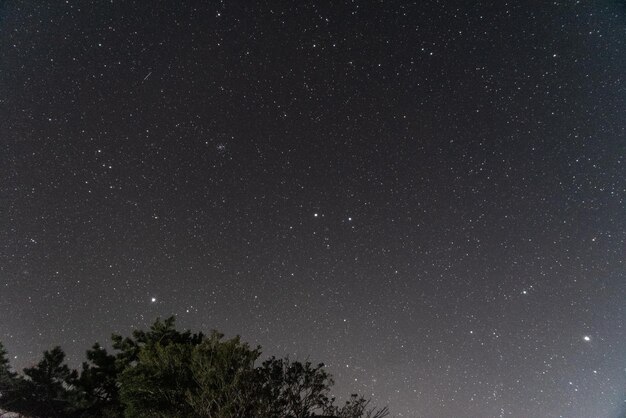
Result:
7,376
188,375
163,372
162,332
156,383
168,373
356,407
224,373
98,384
299,390
9,382
151,372
48,389
290,388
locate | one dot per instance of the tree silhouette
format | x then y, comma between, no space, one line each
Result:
357,406
9,382
98,384
48,389
291,388
163,372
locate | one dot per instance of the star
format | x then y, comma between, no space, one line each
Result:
211,188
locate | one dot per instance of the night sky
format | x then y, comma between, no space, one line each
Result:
427,196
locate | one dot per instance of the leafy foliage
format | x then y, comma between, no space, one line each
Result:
291,388
163,372
98,384
224,375
49,387
153,369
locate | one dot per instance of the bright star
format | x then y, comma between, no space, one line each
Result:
153,300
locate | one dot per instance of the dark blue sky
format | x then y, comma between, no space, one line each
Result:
427,196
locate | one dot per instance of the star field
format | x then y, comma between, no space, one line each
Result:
426,196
